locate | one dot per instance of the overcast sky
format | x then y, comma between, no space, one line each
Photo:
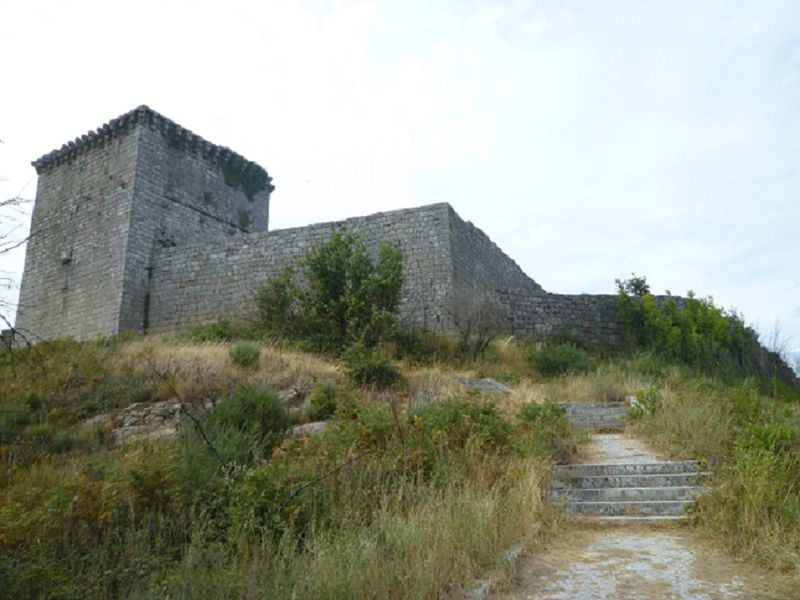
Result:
588,139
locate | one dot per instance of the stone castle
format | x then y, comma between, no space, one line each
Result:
143,225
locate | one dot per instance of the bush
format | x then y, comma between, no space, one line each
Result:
322,402
218,331
277,308
346,298
364,366
247,422
426,349
452,422
249,408
549,430
245,354
695,332
561,359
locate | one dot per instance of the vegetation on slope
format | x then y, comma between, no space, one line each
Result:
412,492
740,412
413,489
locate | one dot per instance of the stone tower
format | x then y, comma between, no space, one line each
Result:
107,202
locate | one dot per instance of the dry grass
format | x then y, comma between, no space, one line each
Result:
430,384
200,370
606,384
434,549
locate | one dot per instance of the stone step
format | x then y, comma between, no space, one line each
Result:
613,494
644,468
591,482
573,405
598,424
635,520
597,417
595,407
603,417
645,509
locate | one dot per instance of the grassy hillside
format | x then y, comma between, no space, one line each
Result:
412,491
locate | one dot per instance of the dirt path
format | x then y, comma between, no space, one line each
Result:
616,448
627,563
589,561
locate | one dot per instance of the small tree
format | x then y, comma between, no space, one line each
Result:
479,318
344,298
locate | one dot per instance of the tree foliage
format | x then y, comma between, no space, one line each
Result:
338,298
693,330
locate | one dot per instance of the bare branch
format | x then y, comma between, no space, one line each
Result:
166,378
321,478
479,317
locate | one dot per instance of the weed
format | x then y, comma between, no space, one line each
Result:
561,359
218,331
245,354
370,367
323,401
549,430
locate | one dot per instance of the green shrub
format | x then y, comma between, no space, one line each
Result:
425,349
245,354
693,331
248,422
323,401
561,359
345,298
452,422
548,430
364,366
277,306
250,408
219,331
647,403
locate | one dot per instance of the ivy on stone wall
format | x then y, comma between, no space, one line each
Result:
245,175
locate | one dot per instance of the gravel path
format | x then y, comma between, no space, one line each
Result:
586,561
628,563
616,448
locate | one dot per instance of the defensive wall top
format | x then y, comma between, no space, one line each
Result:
178,136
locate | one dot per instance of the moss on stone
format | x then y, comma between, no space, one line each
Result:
245,175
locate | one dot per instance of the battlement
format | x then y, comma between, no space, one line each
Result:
234,165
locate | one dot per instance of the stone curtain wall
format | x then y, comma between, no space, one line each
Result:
204,282
71,285
483,273
449,263
485,278
181,197
592,319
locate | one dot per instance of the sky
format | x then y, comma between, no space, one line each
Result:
590,140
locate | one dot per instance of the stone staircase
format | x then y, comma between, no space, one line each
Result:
599,416
654,491
631,485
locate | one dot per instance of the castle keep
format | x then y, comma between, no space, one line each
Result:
143,225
